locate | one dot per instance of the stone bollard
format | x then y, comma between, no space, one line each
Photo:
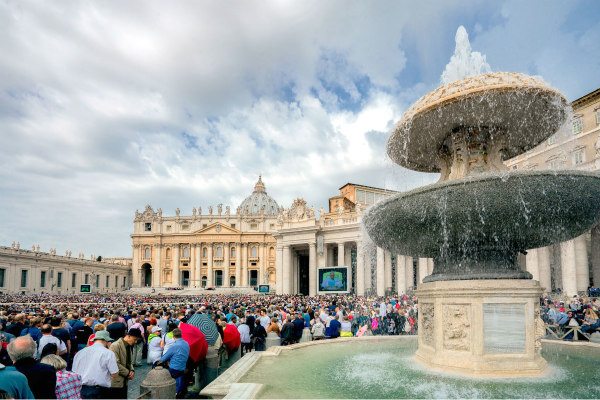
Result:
159,383
210,370
233,357
272,340
306,335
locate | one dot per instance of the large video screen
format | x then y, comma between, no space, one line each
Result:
333,280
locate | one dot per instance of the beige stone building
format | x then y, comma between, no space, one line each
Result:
216,248
35,271
306,242
574,265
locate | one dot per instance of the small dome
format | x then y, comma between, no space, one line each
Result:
259,202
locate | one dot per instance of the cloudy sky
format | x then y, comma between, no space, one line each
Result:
107,106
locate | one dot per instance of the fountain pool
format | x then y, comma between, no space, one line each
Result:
385,368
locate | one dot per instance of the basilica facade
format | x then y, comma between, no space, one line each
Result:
216,248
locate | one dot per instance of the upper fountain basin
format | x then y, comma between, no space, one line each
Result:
510,212
523,111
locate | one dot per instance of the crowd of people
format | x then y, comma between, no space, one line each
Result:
577,312
89,345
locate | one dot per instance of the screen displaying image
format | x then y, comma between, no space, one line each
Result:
333,279
86,289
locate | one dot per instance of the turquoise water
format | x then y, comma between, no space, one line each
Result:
384,369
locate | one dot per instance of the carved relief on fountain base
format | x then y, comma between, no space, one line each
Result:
463,322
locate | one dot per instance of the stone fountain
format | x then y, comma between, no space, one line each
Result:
479,309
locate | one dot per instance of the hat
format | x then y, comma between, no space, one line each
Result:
135,332
103,335
155,329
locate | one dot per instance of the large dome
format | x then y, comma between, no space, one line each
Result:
259,202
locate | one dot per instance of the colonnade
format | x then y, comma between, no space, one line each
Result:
202,261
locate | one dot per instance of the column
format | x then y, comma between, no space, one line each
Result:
380,272
197,265
422,269
262,254
581,264
279,270
532,263
286,273
545,274
209,265
595,251
226,263
341,255
135,270
238,265
360,270
567,261
410,274
429,266
325,256
175,281
312,269
244,260
400,274
156,266
387,266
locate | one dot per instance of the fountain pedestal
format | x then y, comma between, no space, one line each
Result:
480,327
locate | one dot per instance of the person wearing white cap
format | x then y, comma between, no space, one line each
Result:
155,349
97,365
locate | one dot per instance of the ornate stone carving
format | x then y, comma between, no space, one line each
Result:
427,312
456,327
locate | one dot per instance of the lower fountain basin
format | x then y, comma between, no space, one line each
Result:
474,227
384,367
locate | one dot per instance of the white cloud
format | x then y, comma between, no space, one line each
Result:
105,107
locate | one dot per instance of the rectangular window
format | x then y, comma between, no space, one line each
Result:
2,274
577,125
23,278
59,279
233,226
116,281
42,278
97,281
168,228
148,226
578,157
185,227
73,279
124,281
597,117
107,281
271,226
87,279
204,225
360,196
253,227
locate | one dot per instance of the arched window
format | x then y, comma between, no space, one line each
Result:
204,251
203,281
168,253
232,281
219,252
272,252
186,251
253,252
233,252
147,253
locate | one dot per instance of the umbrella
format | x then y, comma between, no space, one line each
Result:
196,339
206,325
